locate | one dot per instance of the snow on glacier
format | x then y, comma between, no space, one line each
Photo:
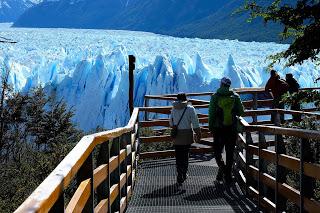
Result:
89,68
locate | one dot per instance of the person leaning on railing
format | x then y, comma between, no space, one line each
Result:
185,118
294,88
278,87
225,106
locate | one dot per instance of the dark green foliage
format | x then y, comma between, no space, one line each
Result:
301,21
301,97
37,135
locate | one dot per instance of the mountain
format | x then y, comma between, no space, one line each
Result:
225,23
10,10
134,14
183,18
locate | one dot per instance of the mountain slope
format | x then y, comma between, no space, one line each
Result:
10,10
137,14
184,18
224,23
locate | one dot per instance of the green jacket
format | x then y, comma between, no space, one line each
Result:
217,118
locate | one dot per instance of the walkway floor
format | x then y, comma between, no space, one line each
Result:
155,189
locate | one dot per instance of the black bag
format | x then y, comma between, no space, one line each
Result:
174,128
174,131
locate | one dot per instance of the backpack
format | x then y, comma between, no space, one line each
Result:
226,110
283,86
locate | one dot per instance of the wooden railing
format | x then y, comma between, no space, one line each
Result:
258,101
105,183
255,153
251,155
109,183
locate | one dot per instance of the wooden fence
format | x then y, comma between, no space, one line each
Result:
273,191
251,155
252,111
105,182
108,184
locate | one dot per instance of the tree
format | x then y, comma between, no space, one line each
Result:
301,22
37,134
5,72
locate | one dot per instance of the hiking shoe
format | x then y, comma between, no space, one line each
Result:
228,179
179,185
220,174
185,177
180,179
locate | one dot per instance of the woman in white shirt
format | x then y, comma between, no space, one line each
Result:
185,118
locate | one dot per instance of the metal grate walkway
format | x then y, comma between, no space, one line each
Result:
155,189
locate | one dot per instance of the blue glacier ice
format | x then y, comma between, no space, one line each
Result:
89,68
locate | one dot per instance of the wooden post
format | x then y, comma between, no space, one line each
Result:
302,177
115,175
132,61
146,104
84,173
123,166
255,107
135,150
59,205
249,161
262,168
277,118
103,191
307,184
129,158
281,175
238,167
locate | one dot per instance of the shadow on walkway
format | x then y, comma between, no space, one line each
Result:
168,191
229,193
194,158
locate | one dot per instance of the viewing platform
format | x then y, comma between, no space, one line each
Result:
132,169
156,189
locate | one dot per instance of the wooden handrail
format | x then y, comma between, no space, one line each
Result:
300,133
247,90
248,172
238,90
289,162
48,192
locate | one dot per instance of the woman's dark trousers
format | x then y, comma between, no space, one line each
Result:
225,137
182,161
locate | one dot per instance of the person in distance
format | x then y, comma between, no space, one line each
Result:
278,87
294,88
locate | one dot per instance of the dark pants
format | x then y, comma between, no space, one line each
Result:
296,106
182,161
277,105
225,137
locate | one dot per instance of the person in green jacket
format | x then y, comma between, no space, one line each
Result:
225,106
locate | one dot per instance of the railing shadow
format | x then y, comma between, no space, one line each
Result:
194,158
230,193
167,191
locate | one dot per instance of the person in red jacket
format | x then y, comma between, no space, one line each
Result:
278,87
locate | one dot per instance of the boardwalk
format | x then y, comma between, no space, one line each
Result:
119,185
155,189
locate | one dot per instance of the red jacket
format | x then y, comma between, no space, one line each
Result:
277,86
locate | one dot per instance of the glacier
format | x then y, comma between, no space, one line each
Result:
89,68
